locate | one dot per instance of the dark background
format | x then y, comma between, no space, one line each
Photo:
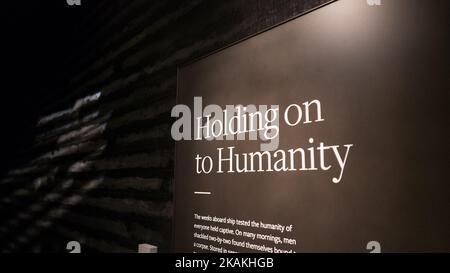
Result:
40,38
102,173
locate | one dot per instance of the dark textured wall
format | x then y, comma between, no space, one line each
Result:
101,169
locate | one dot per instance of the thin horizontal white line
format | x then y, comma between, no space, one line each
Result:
202,192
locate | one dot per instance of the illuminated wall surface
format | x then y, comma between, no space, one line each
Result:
104,170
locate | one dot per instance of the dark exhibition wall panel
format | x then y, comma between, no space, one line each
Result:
347,106
101,167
